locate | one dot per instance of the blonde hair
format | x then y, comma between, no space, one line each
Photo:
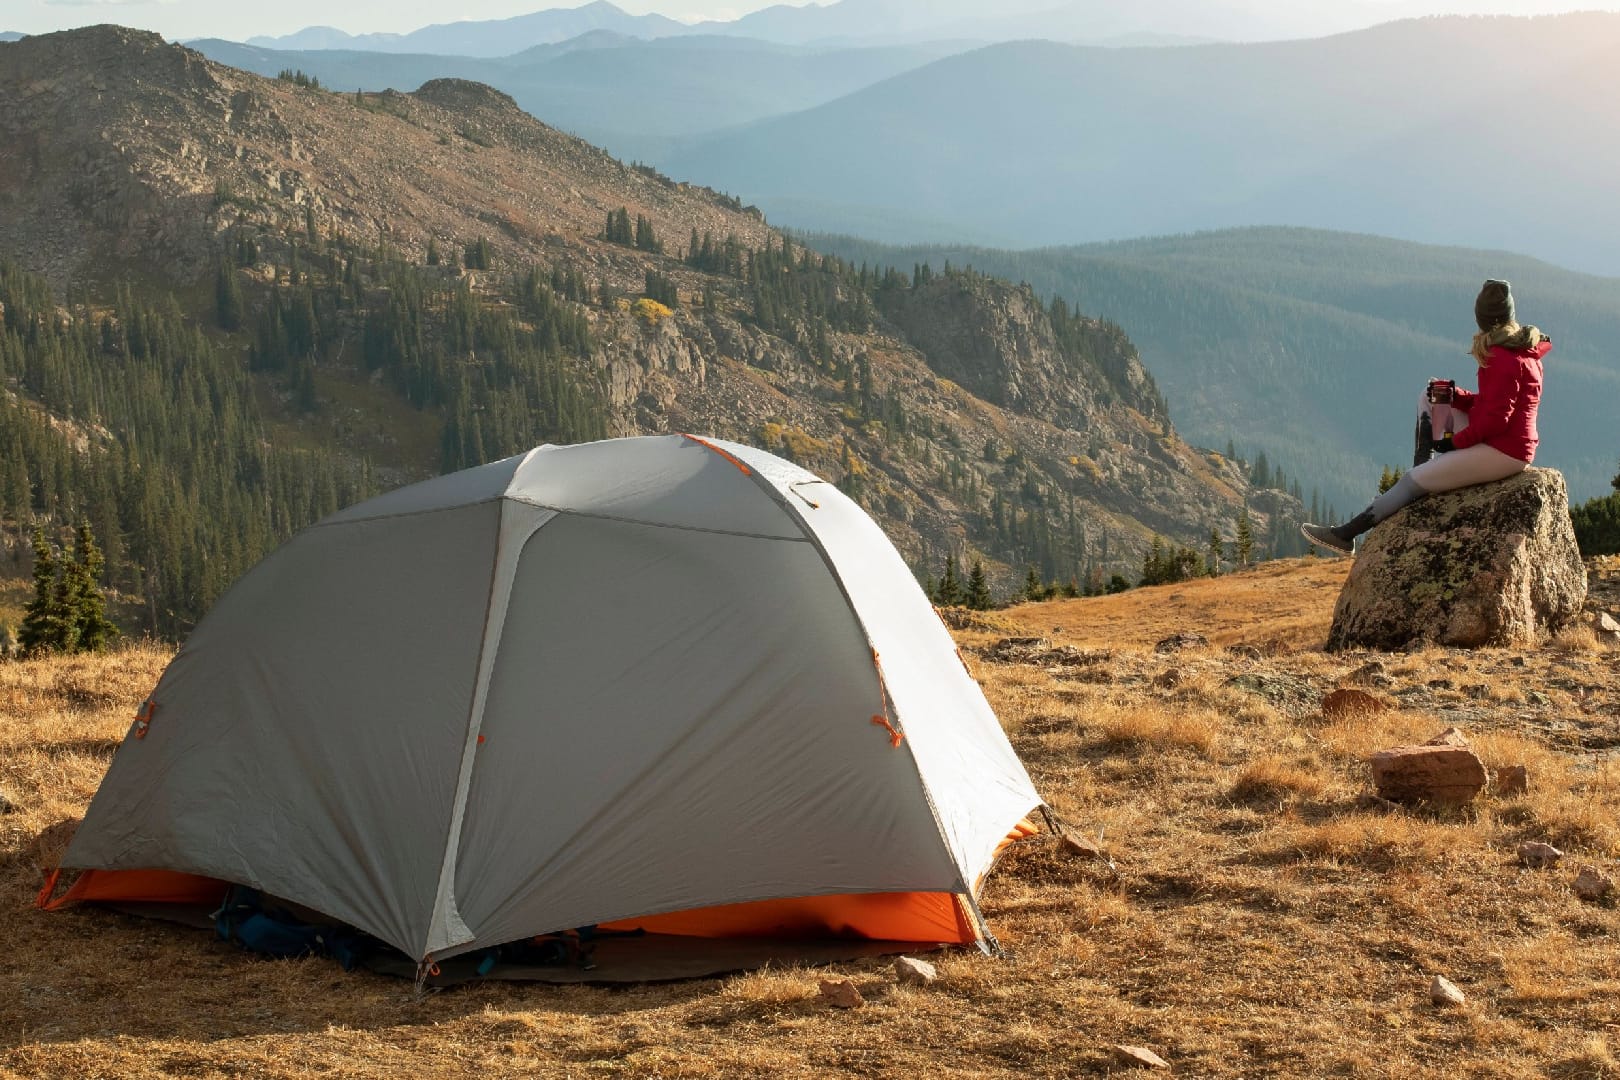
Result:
1494,336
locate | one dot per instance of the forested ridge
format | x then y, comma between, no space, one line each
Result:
383,287
1312,346
131,418
168,432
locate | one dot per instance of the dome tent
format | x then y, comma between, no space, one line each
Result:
669,681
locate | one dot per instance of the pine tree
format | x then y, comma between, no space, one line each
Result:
227,297
1154,570
978,590
477,255
1245,538
43,620
432,252
949,593
1212,564
1260,475
1033,588
92,630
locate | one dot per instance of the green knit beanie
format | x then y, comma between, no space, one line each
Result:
1495,305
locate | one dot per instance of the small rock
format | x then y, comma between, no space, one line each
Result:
1285,691
1168,680
1366,801
1016,650
1141,1057
1368,670
912,972
1606,629
1444,992
1441,684
1512,780
1539,856
1182,640
1244,652
1449,737
6,805
841,994
1536,697
1349,703
1593,886
1443,773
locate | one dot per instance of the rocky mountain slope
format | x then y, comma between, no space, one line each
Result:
321,238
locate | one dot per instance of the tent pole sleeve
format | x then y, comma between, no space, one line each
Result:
519,522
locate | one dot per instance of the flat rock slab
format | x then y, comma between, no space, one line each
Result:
913,972
1593,886
1443,775
1140,1057
841,994
1539,856
1442,991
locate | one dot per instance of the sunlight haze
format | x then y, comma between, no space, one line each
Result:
186,19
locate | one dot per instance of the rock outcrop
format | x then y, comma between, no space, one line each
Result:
1444,771
1492,565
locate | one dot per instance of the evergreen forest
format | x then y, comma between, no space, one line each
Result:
192,443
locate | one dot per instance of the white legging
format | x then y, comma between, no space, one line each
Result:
1479,464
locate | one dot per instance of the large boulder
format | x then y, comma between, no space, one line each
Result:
1491,565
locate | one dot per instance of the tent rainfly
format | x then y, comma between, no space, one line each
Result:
669,683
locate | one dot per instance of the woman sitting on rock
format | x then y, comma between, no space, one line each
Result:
1500,439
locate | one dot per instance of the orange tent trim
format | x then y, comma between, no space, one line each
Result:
940,917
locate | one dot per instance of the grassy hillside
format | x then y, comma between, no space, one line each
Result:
1312,346
1260,922
1378,131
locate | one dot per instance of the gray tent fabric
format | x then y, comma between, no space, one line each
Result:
585,684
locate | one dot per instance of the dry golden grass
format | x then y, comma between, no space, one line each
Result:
1259,922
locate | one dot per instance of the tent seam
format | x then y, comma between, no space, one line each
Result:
474,721
777,496
506,497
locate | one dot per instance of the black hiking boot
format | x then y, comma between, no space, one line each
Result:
1340,538
1324,537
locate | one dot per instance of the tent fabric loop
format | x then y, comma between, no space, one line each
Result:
143,718
895,737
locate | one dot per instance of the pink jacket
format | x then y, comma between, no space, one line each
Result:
1503,414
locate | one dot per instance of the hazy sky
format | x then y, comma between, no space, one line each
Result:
237,20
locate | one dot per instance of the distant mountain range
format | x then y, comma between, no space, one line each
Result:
1311,347
486,37
1491,133
12,35
630,96
1091,21
893,22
